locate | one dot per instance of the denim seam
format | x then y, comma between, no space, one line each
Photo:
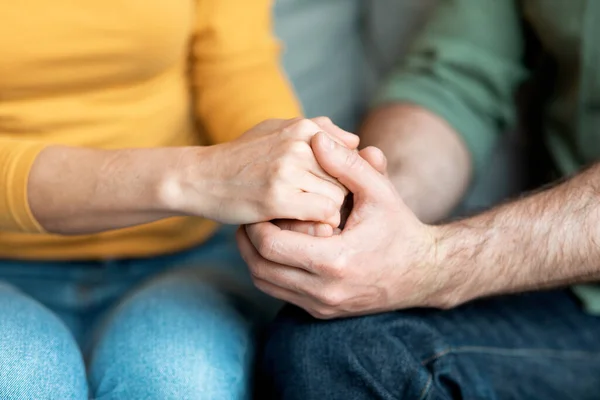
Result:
550,353
366,371
500,351
426,389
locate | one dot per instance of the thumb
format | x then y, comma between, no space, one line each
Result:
348,167
350,140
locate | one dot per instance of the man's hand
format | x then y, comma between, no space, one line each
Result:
384,258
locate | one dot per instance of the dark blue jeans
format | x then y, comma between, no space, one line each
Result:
531,346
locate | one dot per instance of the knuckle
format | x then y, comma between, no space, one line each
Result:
332,299
304,126
279,165
297,148
274,189
283,172
337,268
266,247
275,199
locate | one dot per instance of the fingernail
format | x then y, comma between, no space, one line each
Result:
311,230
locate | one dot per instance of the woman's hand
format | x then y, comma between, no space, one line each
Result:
268,173
377,160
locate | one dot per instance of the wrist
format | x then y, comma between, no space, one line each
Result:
455,264
178,181
75,190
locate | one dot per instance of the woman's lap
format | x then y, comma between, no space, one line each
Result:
182,331
175,338
38,356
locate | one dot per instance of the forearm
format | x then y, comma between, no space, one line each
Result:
427,161
269,173
549,239
79,191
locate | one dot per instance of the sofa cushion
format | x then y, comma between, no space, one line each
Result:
324,56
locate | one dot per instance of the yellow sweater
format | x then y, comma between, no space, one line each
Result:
112,74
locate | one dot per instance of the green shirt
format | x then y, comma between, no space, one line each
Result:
467,64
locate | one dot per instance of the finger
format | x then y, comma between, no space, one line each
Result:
294,249
280,293
349,168
304,130
303,289
350,140
306,206
304,302
308,228
291,279
295,280
308,303
313,184
319,172
375,157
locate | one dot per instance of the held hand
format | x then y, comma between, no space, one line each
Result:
376,159
384,259
268,173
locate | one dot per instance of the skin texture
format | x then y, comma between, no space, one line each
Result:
268,173
387,258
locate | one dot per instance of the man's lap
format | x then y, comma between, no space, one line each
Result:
528,346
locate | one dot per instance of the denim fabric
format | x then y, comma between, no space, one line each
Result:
533,346
175,327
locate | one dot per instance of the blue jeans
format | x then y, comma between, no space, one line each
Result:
173,327
532,346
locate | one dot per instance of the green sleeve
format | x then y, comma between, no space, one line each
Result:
465,66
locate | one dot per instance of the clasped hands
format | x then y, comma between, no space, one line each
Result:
383,259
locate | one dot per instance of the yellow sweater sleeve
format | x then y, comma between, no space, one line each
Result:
16,159
236,75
